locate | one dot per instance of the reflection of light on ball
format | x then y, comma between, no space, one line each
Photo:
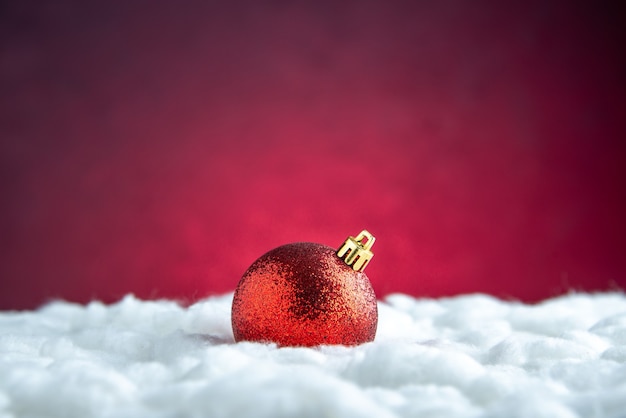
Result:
303,294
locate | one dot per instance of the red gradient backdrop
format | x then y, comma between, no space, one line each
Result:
160,147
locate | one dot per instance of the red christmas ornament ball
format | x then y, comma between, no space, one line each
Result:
304,294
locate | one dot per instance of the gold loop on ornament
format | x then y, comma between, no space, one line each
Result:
356,251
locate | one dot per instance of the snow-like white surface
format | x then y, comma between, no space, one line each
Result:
466,356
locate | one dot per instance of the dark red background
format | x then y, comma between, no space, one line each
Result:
160,147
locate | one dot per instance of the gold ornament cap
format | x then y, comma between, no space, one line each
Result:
356,251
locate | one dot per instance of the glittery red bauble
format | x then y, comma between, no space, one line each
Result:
303,294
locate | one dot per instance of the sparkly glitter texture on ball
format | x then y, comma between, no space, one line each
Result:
303,294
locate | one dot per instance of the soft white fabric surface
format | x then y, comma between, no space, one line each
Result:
465,356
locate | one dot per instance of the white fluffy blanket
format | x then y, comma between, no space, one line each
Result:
468,356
